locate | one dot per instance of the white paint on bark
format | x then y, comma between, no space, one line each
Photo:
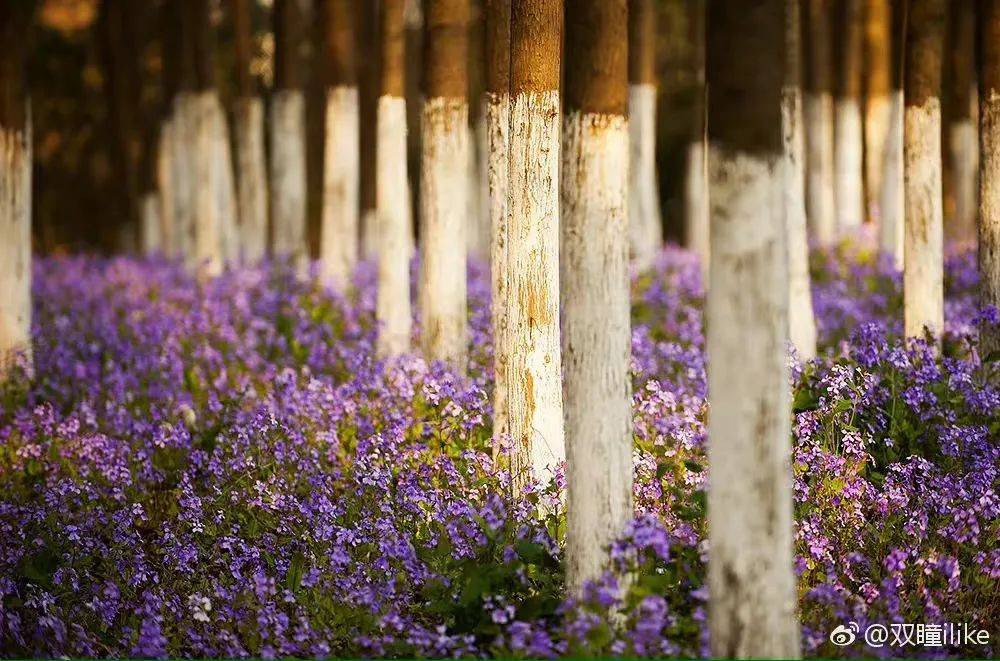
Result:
183,177
443,205
801,321
878,115
477,237
534,371
696,204
224,183
497,168
849,159
483,185
149,218
165,173
15,245
251,179
596,337
891,195
750,567
923,272
963,143
392,198
339,232
820,210
288,177
645,230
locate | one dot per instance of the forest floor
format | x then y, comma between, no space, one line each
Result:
223,469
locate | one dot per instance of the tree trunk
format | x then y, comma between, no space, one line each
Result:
498,54
289,239
444,182
339,232
989,171
251,166
366,17
961,195
750,566
891,196
848,131
595,283
923,274
820,209
696,175
801,322
478,236
392,308
645,224
534,370
877,73
15,190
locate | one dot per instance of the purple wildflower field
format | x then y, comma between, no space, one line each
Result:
223,469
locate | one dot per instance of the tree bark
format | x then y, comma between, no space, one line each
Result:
750,566
877,73
848,130
444,184
891,204
645,223
820,201
594,282
962,162
289,238
989,171
15,190
392,308
801,322
923,273
696,175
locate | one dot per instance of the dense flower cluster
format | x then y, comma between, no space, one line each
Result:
222,468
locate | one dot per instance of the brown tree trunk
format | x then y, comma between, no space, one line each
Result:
594,277
891,197
877,72
818,106
848,130
989,172
368,68
750,566
923,271
962,155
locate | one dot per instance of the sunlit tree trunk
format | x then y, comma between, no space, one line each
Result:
818,107
696,174
478,236
848,130
989,170
287,133
750,565
392,187
801,322
251,167
962,162
444,182
645,226
594,281
534,383
891,195
923,271
877,73
339,231
15,188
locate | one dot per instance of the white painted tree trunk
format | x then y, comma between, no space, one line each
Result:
224,184
849,163
596,339
891,196
483,168
288,177
15,245
251,179
878,116
443,204
923,273
183,176
392,196
750,567
820,210
645,231
696,204
165,181
340,232
149,217
477,238
534,374
801,322
963,143
497,168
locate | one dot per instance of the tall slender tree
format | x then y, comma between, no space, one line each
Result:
170,179
251,166
498,56
820,205
801,321
848,128
877,73
478,236
923,270
534,370
962,158
989,171
444,181
339,232
288,152
392,186
645,225
750,570
891,205
15,187
594,281
696,172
